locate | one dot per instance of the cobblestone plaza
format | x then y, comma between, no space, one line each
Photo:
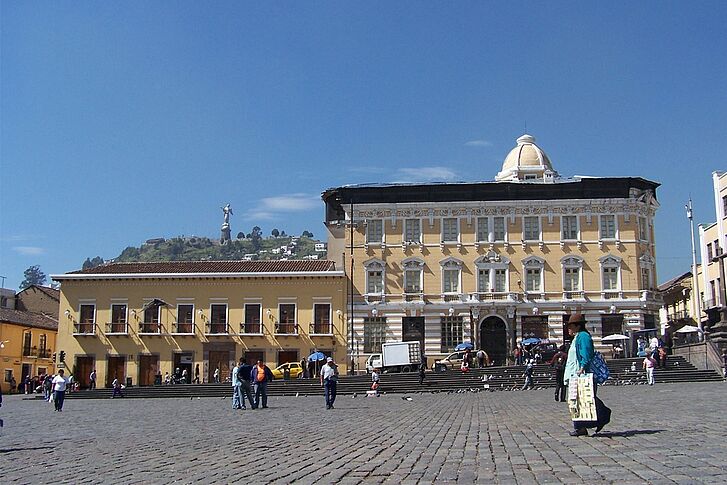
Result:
663,434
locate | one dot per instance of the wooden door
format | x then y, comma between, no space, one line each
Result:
219,359
148,368
82,371
285,356
115,369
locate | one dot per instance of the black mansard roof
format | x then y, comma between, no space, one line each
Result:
577,188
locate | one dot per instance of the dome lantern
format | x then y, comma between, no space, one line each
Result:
526,162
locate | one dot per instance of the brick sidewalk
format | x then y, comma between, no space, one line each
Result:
658,434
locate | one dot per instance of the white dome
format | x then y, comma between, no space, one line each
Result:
526,158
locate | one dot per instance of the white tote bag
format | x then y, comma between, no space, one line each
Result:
581,399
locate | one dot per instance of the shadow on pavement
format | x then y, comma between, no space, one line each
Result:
31,448
626,434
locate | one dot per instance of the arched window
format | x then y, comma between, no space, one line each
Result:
375,276
451,276
572,276
646,263
492,273
610,276
533,270
413,275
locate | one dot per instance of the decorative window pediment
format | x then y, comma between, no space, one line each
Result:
571,262
533,262
375,264
451,263
492,260
646,260
610,261
412,263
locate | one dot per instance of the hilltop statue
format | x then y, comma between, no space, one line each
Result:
225,234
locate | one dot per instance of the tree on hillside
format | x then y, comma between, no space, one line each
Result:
275,233
307,234
282,234
256,236
240,235
92,263
33,276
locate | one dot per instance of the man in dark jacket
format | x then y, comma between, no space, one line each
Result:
244,377
260,375
558,364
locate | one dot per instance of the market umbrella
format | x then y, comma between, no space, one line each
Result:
315,356
464,346
531,341
688,329
614,337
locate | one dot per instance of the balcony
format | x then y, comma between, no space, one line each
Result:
453,297
216,329
573,295
374,298
413,297
494,296
678,316
321,329
150,328
84,329
711,303
184,328
117,328
612,295
652,296
251,328
286,329
44,353
29,351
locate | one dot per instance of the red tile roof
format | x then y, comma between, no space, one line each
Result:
28,319
271,266
50,292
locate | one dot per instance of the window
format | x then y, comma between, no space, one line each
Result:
8,375
43,342
322,318
498,228
571,279
253,319
724,205
27,339
531,228
375,282
87,320
118,318
218,318
185,318
532,280
150,324
412,281
710,254
450,229
645,278
375,231
450,280
483,230
569,229
535,326
374,334
717,248
483,280
500,280
610,278
608,227
286,318
412,231
643,229
451,333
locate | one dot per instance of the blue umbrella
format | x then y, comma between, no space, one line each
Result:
464,346
316,356
531,341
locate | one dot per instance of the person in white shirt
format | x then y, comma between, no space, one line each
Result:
59,390
329,380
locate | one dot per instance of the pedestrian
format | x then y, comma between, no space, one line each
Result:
311,370
47,387
468,358
329,381
243,375
117,388
185,374
167,379
236,388
304,369
59,390
422,370
26,384
529,366
177,378
13,385
580,355
648,365
480,358
558,364
196,374
260,375
217,375
71,383
517,354
375,380
92,380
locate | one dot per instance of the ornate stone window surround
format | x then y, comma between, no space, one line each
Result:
534,262
572,262
611,262
452,264
492,262
375,265
410,265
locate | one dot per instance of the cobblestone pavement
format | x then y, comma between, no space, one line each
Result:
671,433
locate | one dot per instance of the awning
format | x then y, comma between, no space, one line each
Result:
156,302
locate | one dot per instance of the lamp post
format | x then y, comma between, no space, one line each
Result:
695,281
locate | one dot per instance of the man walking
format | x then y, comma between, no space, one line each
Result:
59,390
236,388
243,376
329,380
92,380
558,364
260,375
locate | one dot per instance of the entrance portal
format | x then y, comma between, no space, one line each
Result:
493,339
148,369
183,361
82,371
413,330
219,359
115,369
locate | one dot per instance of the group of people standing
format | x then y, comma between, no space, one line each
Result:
250,382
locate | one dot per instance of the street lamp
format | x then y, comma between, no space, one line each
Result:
695,281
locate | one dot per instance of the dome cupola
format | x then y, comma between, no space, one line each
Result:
526,162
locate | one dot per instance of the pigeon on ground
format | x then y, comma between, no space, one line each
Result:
296,394
354,396
406,398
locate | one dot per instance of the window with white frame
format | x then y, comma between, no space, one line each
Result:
531,228
492,272
118,318
483,280
185,318
610,267
569,227
645,278
533,269
374,277
218,318
287,318
253,318
451,269
412,231
646,262
374,333
608,227
450,229
500,280
572,274
322,318
374,231
643,229
413,275
483,229
498,229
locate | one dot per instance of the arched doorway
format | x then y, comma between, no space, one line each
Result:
493,339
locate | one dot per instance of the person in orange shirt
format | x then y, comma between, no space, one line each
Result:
260,376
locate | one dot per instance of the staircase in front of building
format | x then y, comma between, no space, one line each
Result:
488,379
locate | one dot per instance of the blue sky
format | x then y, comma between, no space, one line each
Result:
123,121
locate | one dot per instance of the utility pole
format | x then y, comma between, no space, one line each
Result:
695,280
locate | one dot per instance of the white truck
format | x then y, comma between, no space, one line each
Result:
396,357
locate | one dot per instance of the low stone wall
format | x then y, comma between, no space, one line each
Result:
699,355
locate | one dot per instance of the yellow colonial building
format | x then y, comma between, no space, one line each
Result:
495,262
142,320
27,343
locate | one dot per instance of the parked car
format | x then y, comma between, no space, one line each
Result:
546,350
373,362
294,367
